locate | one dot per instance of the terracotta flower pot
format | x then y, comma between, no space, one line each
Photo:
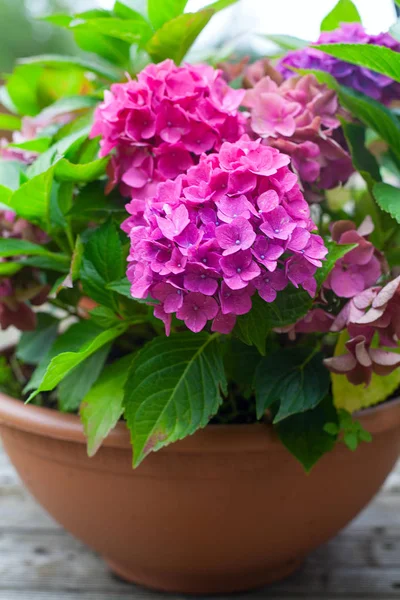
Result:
227,509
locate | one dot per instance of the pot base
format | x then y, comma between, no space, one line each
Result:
192,583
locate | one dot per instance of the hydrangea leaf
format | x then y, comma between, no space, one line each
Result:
290,305
63,363
74,387
294,379
102,406
34,345
388,198
58,61
132,31
103,262
31,201
80,173
355,397
305,436
161,11
363,160
175,37
344,11
377,58
22,88
64,148
15,247
173,389
335,252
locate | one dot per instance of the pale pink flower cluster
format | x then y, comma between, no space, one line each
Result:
299,117
158,125
235,224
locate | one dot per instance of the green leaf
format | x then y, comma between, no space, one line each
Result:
10,173
52,262
305,435
78,382
56,61
69,104
40,144
60,20
34,345
335,252
92,202
114,51
80,173
122,10
344,11
286,42
9,268
15,247
66,147
388,198
103,262
132,31
31,201
377,58
293,378
175,37
9,122
104,317
355,397
22,88
241,362
102,408
364,162
63,363
122,286
161,11
289,306
173,389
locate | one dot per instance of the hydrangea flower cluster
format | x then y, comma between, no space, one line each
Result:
358,269
15,293
377,86
376,311
160,124
235,224
299,117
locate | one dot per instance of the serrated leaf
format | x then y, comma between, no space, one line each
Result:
344,11
355,397
388,198
66,147
58,61
34,345
63,363
103,261
74,387
173,389
132,31
104,317
31,201
293,379
80,173
305,434
161,11
102,408
290,305
92,202
377,58
175,37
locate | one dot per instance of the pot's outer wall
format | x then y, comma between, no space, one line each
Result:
225,510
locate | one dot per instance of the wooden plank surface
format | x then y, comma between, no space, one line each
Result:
39,561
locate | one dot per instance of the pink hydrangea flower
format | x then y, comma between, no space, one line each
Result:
160,124
299,117
236,224
358,269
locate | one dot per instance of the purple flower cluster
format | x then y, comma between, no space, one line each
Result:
161,123
368,82
358,269
23,289
299,117
376,311
235,224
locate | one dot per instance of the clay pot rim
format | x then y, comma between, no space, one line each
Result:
51,423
